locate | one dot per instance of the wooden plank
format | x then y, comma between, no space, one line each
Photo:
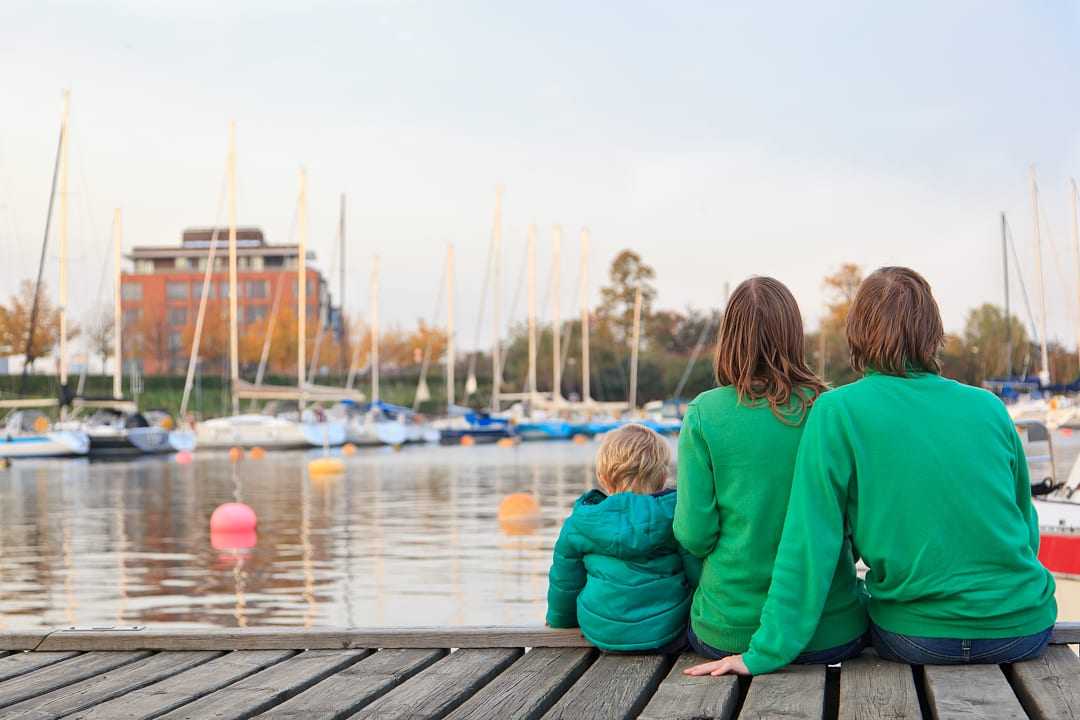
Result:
681,697
104,687
529,687
21,639
443,686
63,673
320,639
615,687
159,698
345,692
24,662
796,692
1066,633
272,686
1049,687
961,692
876,689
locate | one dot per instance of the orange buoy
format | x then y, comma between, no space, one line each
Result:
348,449
41,424
506,442
326,467
468,440
257,453
1067,432
519,514
580,439
236,454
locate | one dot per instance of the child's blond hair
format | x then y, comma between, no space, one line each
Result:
632,459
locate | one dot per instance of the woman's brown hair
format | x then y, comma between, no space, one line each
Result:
894,325
759,350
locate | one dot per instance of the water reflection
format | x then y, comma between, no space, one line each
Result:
401,539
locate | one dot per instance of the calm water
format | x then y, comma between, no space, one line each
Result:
409,537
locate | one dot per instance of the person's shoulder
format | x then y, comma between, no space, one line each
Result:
980,398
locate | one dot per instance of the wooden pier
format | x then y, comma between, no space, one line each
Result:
477,673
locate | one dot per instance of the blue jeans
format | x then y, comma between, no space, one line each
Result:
828,656
952,651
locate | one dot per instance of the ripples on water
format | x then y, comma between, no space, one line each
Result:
404,538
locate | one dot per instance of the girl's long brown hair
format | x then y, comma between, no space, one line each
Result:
759,350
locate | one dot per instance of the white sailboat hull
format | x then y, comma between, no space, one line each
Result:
247,431
365,432
61,443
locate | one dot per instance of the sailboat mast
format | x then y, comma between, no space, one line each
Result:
341,270
63,241
556,316
1044,375
450,356
1005,279
586,395
234,341
635,342
1076,249
532,311
496,294
374,358
118,318
301,288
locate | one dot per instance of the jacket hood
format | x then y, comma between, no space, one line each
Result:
626,525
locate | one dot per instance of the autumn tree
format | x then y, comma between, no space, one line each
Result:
15,323
828,346
627,274
99,334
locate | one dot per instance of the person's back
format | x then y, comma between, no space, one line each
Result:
617,571
925,446
737,452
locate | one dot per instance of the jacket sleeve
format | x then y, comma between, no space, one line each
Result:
810,545
697,518
1022,477
565,580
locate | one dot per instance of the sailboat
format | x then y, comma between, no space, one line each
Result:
250,429
26,432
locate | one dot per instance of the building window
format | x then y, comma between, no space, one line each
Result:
196,290
274,261
175,341
144,267
254,313
223,289
255,289
131,291
178,316
132,317
182,263
176,290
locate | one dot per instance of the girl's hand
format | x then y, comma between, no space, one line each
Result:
731,665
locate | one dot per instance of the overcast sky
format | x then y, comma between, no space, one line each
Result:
718,140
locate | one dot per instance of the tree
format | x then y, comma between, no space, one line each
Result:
829,344
100,334
986,338
15,327
628,273
150,338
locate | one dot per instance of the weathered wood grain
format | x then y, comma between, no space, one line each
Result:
263,690
22,639
962,692
314,639
104,687
442,687
63,673
613,688
1049,687
682,697
24,662
529,687
1066,633
345,692
796,692
876,689
161,697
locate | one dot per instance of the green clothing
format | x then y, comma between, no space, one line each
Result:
735,468
931,478
619,574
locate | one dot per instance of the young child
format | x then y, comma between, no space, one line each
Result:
618,573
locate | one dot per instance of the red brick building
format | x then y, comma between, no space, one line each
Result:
166,284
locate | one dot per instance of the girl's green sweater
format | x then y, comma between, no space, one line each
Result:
931,479
735,471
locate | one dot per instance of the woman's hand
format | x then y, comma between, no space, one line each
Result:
731,665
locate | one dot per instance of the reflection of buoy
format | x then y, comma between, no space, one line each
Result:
236,454
184,457
233,517
348,449
4,462
519,514
468,440
326,466
580,439
257,453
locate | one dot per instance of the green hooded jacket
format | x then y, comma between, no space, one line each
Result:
619,574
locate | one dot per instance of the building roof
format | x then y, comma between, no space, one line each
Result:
195,242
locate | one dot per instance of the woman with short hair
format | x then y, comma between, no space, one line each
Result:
930,478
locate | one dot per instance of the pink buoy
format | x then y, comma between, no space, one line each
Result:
233,517
184,457
233,540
